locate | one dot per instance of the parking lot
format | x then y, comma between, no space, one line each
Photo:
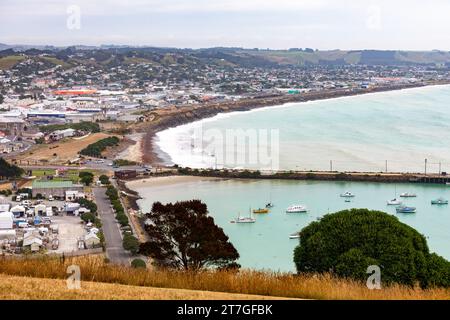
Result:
70,229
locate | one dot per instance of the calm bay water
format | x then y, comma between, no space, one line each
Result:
357,133
266,244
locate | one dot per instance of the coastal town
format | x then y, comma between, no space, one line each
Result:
69,113
77,129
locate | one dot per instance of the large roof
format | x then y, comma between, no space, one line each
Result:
39,184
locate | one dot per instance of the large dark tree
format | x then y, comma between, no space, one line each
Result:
9,170
346,243
183,236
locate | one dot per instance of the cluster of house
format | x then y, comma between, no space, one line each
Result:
27,229
27,226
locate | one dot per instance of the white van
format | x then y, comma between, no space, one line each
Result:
50,198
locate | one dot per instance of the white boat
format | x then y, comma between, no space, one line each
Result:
296,208
248,219
295,235
244,220
347,194
394,202
408,195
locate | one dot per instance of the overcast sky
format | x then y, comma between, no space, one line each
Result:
322,24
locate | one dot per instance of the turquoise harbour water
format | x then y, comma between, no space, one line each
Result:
266,244
357,133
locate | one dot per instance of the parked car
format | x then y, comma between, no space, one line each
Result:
26,203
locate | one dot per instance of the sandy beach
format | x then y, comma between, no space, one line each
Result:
165,181
134,151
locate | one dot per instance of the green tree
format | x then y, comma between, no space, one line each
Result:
346,243
88,217
86,177
104,179
184,236
130,243
9,170
1,99
88,204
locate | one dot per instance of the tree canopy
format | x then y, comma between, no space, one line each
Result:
9,170
183,236
346,243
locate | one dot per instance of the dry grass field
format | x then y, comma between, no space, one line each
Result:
64,150
93,269
19,288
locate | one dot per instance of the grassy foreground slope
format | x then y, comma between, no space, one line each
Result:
93,269
21,288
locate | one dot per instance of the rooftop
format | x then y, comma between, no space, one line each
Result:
52,184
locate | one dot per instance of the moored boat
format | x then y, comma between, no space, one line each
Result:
295,235
296,208
439,201
347,194
405,209
261,210
240,219
408,195
394,202
269,205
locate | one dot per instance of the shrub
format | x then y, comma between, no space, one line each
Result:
104,179
130,243
138,263
88,216
96,149
88,204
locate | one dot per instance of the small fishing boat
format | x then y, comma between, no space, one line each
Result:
296,208
295,235
408,195
240,219
347,194
269,205
261,210
404,209
348,200
439,201
394,202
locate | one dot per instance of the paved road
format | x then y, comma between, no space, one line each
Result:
113,238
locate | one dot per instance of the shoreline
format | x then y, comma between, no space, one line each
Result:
164,119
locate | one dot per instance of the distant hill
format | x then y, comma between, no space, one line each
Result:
112,55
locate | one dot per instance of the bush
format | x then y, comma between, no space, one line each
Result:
104,179
130,243
138,263
82,126
112,193
124,162
346,243
96,149
88,204
88,216
122,219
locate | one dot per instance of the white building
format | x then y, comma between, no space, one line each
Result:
6,220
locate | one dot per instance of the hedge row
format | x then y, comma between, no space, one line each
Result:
96,149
